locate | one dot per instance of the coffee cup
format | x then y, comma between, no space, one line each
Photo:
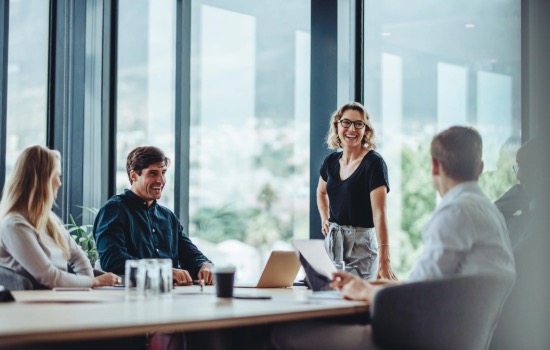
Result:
224,278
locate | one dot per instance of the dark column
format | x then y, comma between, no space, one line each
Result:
4,30
323,93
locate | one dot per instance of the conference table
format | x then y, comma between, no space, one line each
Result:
44,316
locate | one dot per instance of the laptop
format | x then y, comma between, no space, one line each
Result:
317,266
280,271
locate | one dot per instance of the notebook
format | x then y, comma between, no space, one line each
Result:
280,271
317,266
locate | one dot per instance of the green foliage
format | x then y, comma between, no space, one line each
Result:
84,236
257,226
270,158
495,183
263,230
219,224
267,196
275,149
418,194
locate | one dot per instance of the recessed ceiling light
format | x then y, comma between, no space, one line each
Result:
385,34
469,25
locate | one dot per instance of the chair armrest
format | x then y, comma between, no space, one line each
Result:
11,280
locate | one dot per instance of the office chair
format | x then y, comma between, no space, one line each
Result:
450,313
11,280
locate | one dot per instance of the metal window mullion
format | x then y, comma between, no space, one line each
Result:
92,196
4,39
66,95
359,51
109,97
182,110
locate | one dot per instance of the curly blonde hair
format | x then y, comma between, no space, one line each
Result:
332,139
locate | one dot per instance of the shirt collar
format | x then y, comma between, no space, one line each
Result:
468,186
137,200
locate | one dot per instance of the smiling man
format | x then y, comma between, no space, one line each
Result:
132,225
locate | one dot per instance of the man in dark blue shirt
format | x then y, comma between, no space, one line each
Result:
132,225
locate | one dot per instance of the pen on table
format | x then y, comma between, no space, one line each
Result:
200,283
196,283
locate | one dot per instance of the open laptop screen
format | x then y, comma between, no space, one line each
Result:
279,271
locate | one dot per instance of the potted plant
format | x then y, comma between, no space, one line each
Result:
84,236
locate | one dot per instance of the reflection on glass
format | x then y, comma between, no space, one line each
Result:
27,77
494,113
249,175
427,68
452,98
146,86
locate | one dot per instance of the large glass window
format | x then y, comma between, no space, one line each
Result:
27,77
249,172
146,85
429,67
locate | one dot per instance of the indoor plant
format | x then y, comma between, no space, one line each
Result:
84,236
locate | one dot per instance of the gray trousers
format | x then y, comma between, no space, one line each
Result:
356,246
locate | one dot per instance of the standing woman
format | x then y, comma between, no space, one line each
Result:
351,195
33,241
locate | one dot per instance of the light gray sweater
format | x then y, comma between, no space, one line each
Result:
34,254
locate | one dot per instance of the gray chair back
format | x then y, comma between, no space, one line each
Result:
11,280
450,313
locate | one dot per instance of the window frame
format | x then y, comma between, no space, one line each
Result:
4,40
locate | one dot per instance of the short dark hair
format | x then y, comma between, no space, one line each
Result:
458,149
141,157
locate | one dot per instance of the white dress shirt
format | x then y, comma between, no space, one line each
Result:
466,235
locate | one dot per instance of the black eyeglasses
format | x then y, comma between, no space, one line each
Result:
346,123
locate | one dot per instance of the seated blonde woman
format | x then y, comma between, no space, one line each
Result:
33,240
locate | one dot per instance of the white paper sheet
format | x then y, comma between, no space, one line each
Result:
313,250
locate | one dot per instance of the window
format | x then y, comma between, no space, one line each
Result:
145,85
427,68
27,77
249,172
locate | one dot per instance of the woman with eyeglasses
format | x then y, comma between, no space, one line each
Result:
351,195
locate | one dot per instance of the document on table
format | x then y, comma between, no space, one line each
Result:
313,250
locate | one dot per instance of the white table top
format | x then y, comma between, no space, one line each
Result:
38,316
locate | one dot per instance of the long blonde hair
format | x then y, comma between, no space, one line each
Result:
28,192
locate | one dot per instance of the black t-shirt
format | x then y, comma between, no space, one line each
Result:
349,200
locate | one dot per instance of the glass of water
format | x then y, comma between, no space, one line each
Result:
132,277
165,278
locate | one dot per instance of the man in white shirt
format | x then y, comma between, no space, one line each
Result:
466,236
